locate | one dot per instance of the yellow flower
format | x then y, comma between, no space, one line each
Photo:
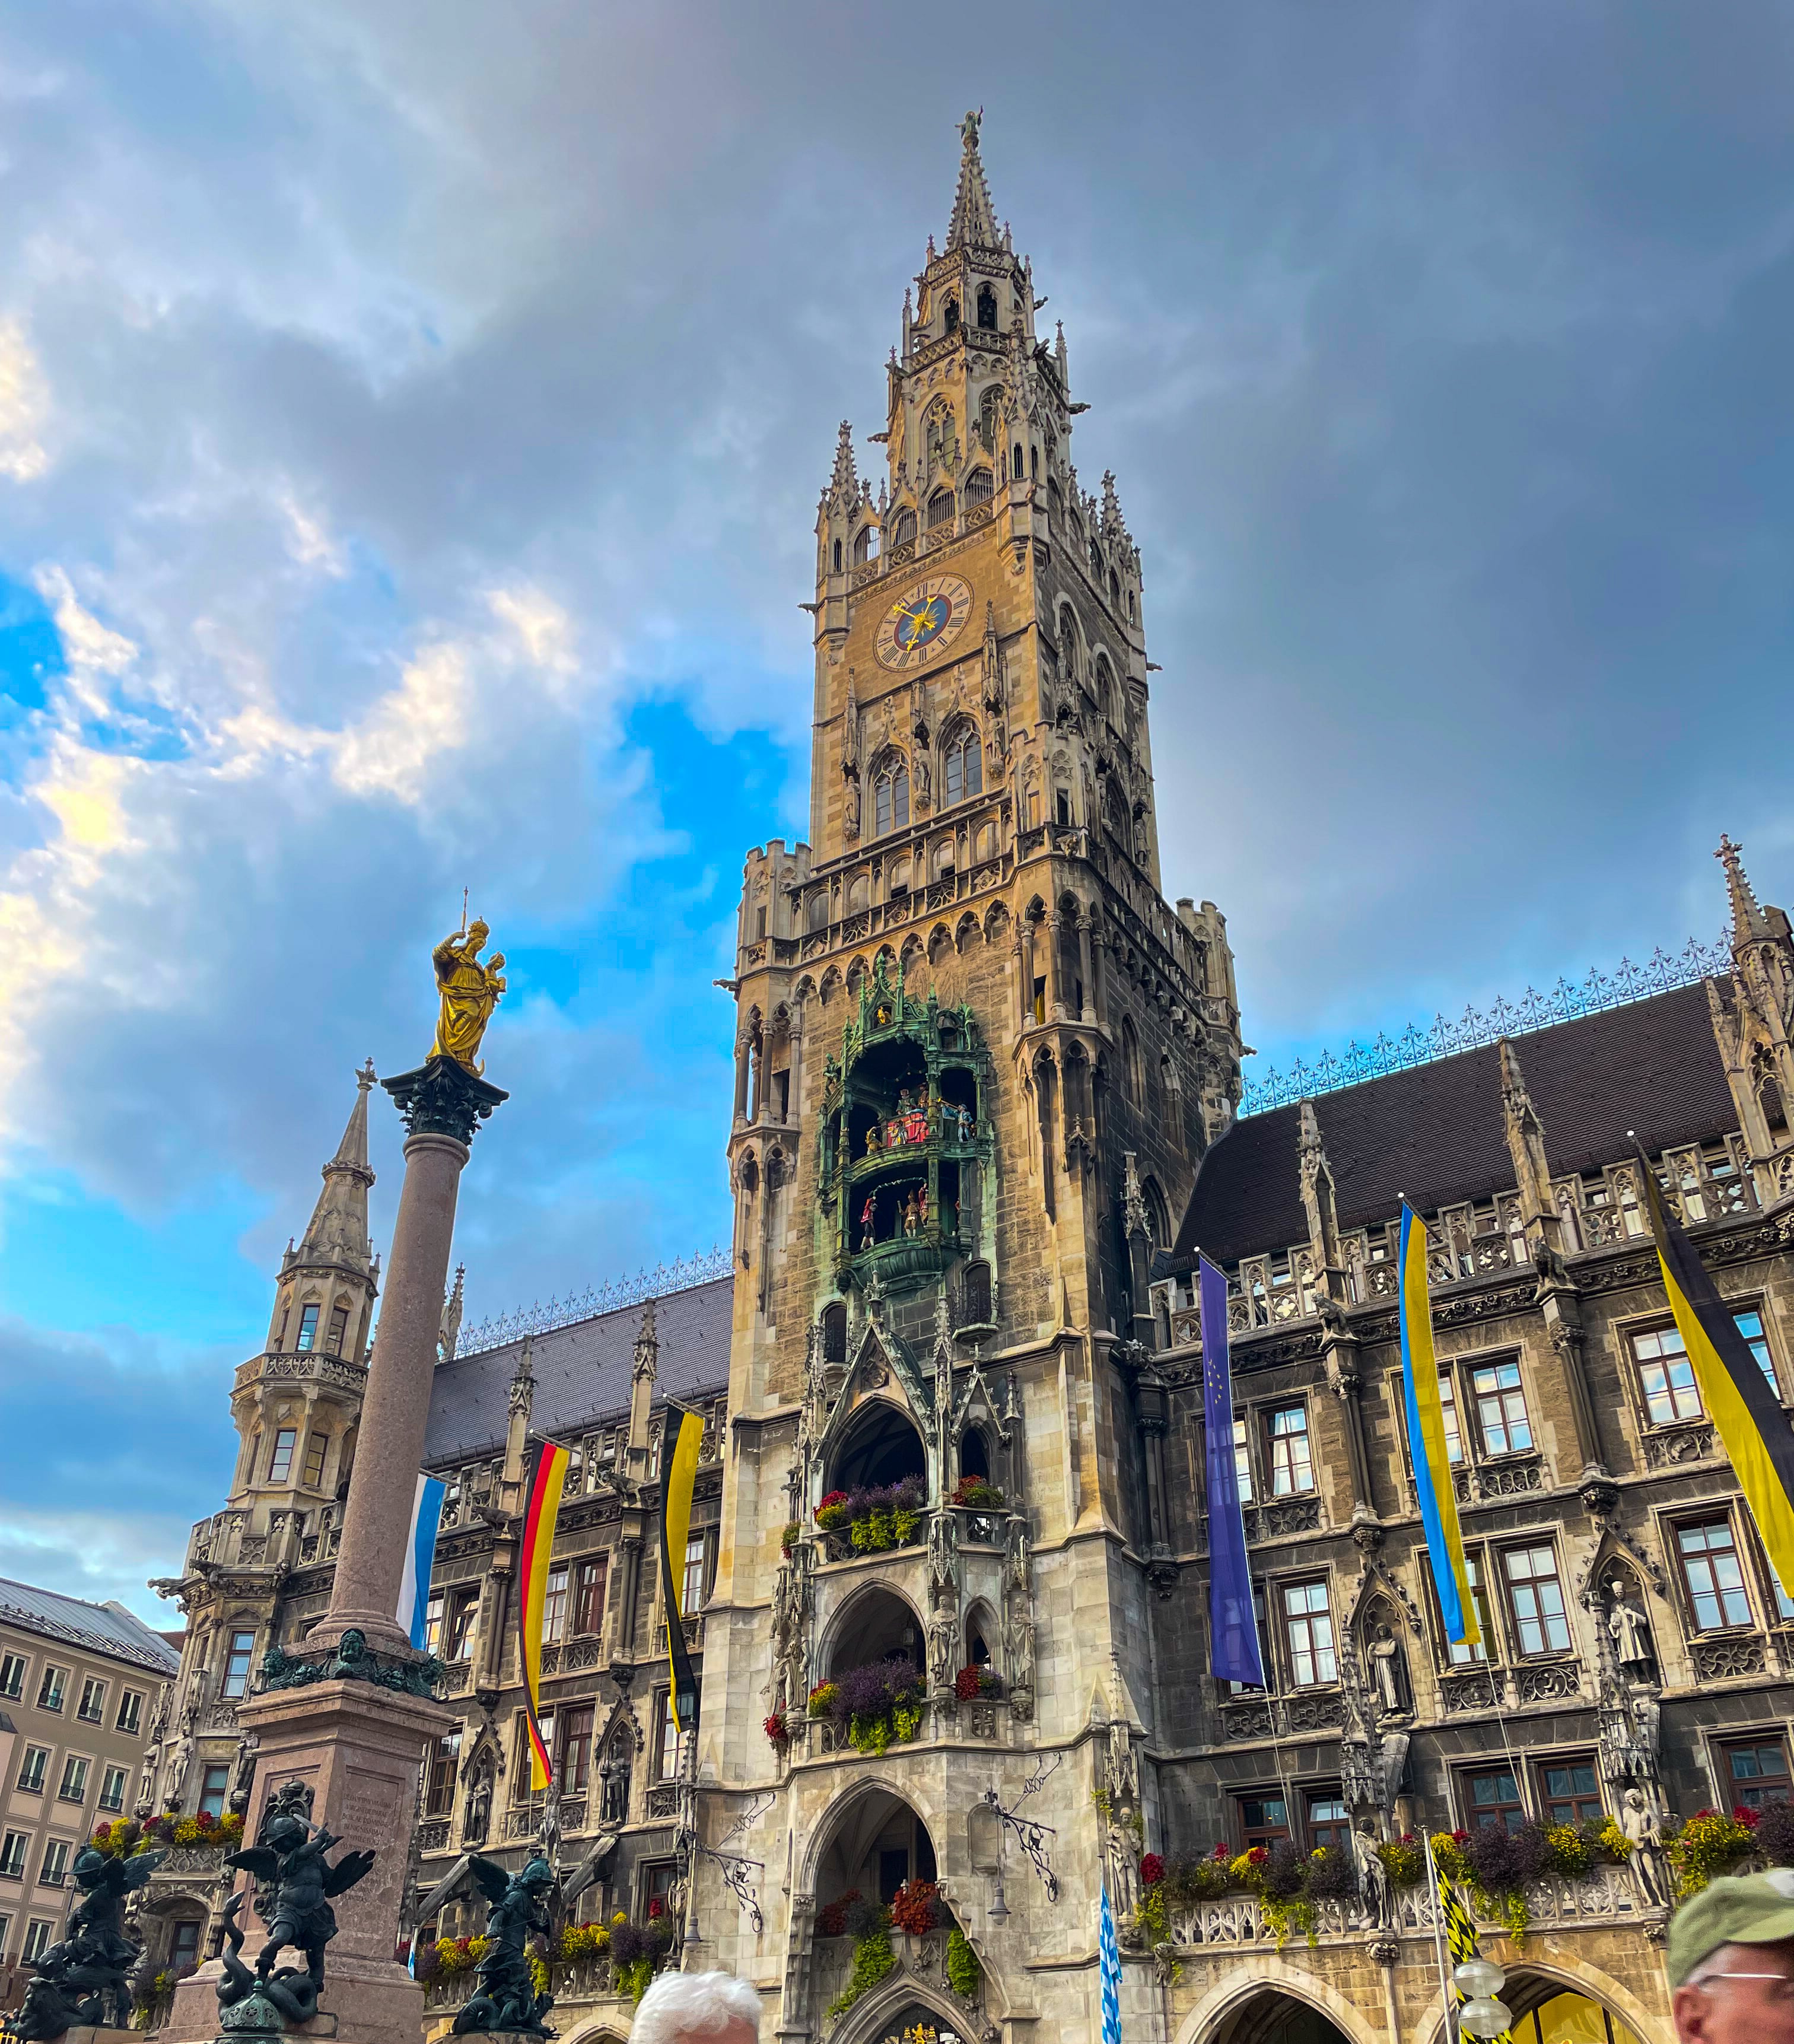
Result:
622,1916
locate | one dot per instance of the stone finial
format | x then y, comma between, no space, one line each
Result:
647,1346
843,486
974,220
1747,919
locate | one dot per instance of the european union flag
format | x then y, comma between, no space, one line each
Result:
1233,1632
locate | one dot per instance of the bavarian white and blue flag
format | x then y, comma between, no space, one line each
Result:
420,1558
1108,1955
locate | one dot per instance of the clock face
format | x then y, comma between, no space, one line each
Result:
924,622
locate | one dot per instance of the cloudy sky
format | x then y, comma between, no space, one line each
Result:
411,421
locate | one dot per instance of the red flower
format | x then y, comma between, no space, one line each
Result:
1460,1837
206,1820
655,1908
1223,1851
1256,1856
778,1731
834,1498
1746,1817
1152,1871
967,1684
913,1907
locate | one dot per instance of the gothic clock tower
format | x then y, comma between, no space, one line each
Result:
979,1058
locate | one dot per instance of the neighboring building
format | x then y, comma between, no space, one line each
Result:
81,1685
987,1109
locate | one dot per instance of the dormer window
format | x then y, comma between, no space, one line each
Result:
987,308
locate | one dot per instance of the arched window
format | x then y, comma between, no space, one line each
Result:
1105,691
1130,1062
1114,588
865,545
815,910
974,1453
1015,461
834,1333
962,767
940,509
906,528
1097,562
1034,463
1129,604
1115,812
890,797
980,487
1157,1217
953,315
978,1295
987,308
837,557
989,403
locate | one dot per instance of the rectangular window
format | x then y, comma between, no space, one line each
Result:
6,1932
575,1763
338,1331
1448,1405
1463,1654
308,1329
1756,1771
53,1869
74,1785
37,1939
130,1711
433,1625
1243,1462
1750,1325
1308,1627
553,1605
1265,1659
12,1849
112,1788
32,1769
1665,1376
1569,1792
463,1605
691,1589
1711,1575
1492,1796
183,1946
236,1664
12,1676
92,1708
438,1788
1292,1463
669,1739
1263,1820
1501,1409
589,1595
50,1689
1329,1822
1535,1600
313,1474
280,1461
214,1786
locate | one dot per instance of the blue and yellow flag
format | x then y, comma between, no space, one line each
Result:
1426,1438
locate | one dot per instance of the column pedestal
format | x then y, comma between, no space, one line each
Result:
358,1747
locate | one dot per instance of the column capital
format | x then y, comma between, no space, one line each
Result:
442,1097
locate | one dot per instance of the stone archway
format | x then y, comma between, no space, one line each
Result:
1533,1983
892,2013
1265,2000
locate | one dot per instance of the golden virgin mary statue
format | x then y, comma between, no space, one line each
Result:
470,992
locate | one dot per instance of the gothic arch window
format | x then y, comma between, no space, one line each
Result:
890,796
1114,588
1130,606
987,308
940,509
1157,1215
986,841
834,1333
990,402
1055,498
1015,462
1131,1076
904,532
1097,561
1105,688
815,910
865,545
859,894
1115,812
981,486
962,763
1034,463
952,321
974,1453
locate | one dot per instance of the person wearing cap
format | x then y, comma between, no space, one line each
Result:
1731,1961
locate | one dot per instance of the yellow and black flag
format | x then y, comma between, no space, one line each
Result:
678,1474
1753,1428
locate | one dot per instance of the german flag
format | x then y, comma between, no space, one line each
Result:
679,1476
540,1515
1753,1428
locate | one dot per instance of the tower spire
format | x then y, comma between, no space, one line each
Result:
1747,919
974,222
337,1232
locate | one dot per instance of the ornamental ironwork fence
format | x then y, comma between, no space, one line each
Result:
1475,1029
680,1275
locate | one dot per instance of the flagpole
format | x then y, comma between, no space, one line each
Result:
1446,2001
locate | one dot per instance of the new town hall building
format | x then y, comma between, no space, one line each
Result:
986,1110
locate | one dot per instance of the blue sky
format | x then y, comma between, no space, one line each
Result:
411,420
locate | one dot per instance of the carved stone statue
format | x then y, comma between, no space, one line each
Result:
1124,1767
243,1781
1374,1888
506,1997
1385,1656
1122,1850
613,1785
476,1811
943,1646
1629,1632
180,1757
470,991
1649,1861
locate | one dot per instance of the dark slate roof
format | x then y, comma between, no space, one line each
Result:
581,1372
1435,1132
99,1628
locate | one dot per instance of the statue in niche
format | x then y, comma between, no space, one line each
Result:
943,1645
1122,1850
613,1785
850,808
1649,1861
1630,1632
476,1810
1390,1672
1020,1643
867,1212
469,990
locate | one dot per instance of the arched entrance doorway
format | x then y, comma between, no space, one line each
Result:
914,2023
1547,2012
1272,2018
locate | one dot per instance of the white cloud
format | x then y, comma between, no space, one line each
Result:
309,541
391,749
24,404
